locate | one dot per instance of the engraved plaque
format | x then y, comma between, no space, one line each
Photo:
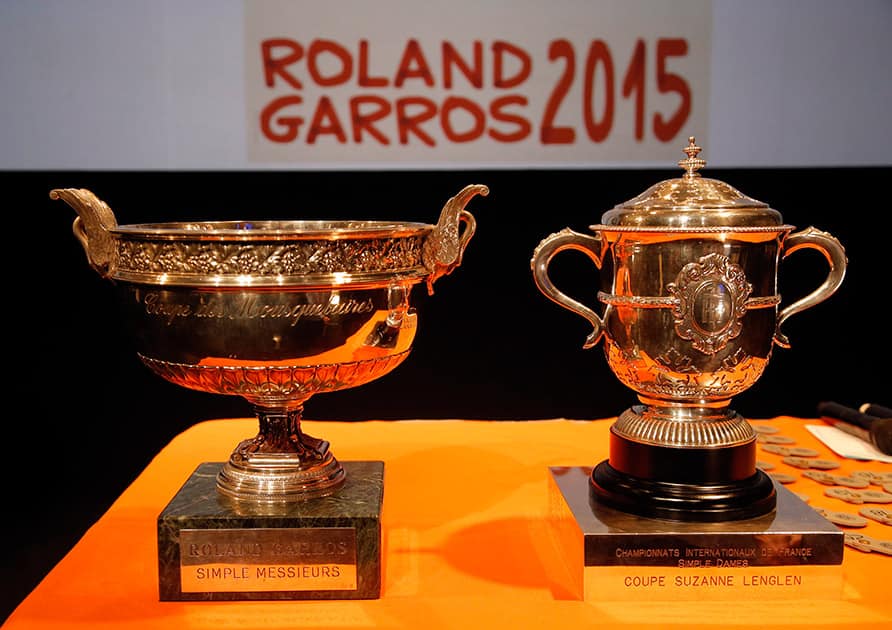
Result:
213,548
282,559
609,554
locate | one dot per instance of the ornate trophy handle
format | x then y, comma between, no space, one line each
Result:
547,249
92,226
827,244
444,247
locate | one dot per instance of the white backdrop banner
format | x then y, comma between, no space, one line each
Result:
442,84
550,83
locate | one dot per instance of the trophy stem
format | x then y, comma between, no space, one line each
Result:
281,463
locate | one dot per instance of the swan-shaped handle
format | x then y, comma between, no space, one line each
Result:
92,226
443,248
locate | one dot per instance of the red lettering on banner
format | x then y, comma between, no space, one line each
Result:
452,58
549,134
290,124
366,112
273,66
497,111
364,79
325,112
598,56
318,48
670,82
499,49
365,122
407,123
455,117
634,82
413,66
454,103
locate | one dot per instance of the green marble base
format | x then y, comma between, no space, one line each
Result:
211,548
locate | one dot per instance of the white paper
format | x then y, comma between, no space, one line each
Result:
847,445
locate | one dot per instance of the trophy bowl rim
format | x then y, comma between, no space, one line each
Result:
308,282
273,229
691,228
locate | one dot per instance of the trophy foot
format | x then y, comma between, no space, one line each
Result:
281,464
683,464
279,478
701,502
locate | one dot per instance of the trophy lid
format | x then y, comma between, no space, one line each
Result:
691,201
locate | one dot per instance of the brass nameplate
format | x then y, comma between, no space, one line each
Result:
617,583
605,554
268,559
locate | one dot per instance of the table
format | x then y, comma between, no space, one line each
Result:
465,538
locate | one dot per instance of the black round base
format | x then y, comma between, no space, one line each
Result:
701,502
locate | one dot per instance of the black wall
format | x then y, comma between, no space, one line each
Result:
84,416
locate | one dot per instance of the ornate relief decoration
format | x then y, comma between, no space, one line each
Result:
710,302
267,259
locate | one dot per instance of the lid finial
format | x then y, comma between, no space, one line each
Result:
692,163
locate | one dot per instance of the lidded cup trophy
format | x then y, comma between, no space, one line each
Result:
689,315
274,311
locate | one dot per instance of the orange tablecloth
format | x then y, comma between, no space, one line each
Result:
466,544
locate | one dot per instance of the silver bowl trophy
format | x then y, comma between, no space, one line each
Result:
689,315
274,312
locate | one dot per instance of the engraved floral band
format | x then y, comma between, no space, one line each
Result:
636,301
